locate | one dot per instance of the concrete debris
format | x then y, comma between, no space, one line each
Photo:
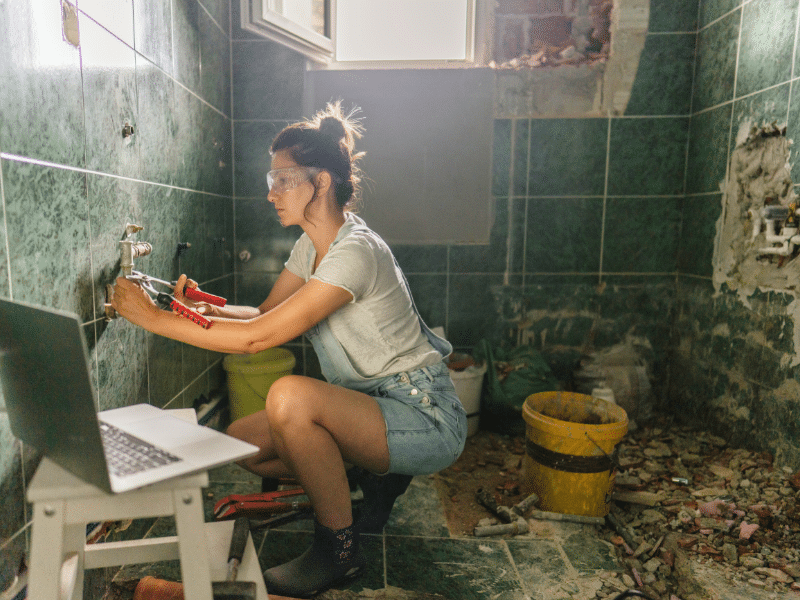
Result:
738,514
387,593
687,508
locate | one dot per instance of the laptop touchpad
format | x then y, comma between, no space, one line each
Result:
169,433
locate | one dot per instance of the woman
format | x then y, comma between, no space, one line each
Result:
388,406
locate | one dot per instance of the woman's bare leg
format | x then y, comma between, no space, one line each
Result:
314,428
255,429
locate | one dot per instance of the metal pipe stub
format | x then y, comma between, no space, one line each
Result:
130,250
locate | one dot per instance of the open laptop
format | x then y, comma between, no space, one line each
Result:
44,372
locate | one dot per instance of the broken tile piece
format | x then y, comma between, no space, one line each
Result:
776,574
712,508
720,471
746,530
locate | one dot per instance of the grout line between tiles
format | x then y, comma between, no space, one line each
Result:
521,579
605,201
720,18
691,107
509,219
233,157
5,229
527,187
794,60
46,163
204,373
210,16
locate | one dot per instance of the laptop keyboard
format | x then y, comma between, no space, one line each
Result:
127,454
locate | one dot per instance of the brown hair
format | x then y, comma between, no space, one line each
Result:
327,141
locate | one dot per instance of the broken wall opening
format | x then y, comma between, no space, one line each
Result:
757,243
541,33
587,87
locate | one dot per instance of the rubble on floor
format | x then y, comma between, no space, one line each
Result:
685,503
388,593
691,497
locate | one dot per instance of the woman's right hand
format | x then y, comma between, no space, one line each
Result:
132,302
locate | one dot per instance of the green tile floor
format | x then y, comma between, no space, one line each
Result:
416,557
417,554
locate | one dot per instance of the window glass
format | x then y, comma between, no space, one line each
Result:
309,14
392,30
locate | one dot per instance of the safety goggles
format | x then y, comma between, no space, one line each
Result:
281,180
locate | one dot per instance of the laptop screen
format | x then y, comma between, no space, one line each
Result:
47,387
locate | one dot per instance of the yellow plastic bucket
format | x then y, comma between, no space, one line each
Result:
250,377
570,439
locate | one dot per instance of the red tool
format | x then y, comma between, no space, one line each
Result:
189,292
259,505
168,301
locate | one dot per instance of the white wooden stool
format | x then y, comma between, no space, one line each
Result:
64,504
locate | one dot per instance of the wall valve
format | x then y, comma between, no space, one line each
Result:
131,250
111,313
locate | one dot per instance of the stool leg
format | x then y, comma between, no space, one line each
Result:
192,545
75,542
47,550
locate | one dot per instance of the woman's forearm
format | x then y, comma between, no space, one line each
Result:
236,312
232,336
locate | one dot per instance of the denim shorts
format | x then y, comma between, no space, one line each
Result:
426,425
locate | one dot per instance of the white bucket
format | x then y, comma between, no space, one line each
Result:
469,384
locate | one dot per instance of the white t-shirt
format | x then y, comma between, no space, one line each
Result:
379,330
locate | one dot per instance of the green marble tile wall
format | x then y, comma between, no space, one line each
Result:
70,182
592,212
735,355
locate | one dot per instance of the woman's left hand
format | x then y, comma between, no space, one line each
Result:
132,302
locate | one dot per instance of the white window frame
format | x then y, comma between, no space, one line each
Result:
257,18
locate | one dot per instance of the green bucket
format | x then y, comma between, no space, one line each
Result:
250,377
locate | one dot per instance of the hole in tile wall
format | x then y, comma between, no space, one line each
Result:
758,240
757,244
546,33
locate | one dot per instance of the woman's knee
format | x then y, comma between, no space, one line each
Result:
285,403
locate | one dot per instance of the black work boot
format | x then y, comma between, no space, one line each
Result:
380,493
333,559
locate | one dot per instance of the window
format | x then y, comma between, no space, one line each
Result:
299,24
352,33
403,30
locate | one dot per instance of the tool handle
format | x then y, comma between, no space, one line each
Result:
241,529
195,294
187,312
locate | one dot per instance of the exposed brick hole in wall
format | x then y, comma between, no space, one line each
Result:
758,245
546,33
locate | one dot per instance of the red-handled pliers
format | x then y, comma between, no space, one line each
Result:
168,301
263,504
189,292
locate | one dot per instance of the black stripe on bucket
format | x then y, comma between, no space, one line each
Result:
569,463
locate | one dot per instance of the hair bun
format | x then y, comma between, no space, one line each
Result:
332,127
